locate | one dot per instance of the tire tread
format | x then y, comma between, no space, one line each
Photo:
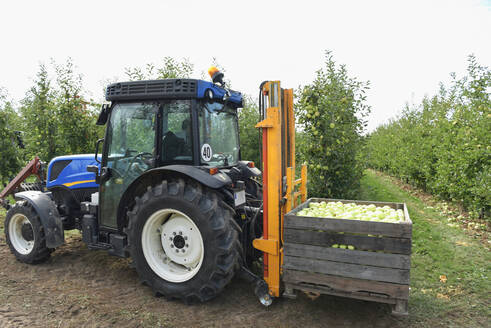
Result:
227,256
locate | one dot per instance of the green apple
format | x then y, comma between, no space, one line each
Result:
352,211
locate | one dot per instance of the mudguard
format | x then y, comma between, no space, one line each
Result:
48,214
215,181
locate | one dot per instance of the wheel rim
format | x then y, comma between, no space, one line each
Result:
17,238
172,245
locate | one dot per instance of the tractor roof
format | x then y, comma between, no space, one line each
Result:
169,89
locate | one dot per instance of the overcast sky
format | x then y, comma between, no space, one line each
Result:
405,48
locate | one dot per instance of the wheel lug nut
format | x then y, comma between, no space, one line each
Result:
177,251
180,232
174,233
171,245
187,245
170,238
185,237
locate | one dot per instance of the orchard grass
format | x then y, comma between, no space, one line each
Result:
439,253
449,269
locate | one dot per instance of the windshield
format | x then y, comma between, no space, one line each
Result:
218,134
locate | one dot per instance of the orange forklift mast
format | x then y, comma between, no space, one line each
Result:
280,193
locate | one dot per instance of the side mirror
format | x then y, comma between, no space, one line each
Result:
103,115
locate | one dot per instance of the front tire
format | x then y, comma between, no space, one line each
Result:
183,240
25,234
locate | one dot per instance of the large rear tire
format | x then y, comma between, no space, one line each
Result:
25,234
183,240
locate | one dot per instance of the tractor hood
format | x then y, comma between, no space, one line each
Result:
71,172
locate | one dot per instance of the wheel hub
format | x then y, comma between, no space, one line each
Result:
177,236
172,245
21,234
179,241
26,231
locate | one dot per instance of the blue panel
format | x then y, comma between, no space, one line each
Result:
74,175
218,93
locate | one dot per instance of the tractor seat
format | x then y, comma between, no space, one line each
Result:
172,146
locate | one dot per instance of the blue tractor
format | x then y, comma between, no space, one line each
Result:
169,190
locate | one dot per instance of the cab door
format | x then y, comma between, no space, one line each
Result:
129,151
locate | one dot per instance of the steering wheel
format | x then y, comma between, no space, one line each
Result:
142,154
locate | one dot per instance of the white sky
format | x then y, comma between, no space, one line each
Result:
405,48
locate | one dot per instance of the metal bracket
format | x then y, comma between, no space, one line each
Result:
269,246
266,123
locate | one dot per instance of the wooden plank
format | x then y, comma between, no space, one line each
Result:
345,284
399,230
406,214
358,271
322,238
398,261
324,290
300,207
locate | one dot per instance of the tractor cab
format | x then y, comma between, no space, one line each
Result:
184,125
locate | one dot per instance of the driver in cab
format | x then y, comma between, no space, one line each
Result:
178,144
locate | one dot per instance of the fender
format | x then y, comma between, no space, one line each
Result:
148,178
215,181
48,214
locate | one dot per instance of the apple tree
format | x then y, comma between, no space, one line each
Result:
332,113
9,141
443,143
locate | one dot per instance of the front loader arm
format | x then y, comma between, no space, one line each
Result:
33,168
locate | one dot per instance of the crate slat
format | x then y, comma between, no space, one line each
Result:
358,271
359,296
397,261
322,238
399,230
349,285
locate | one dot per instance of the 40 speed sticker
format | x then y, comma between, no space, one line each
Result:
206,152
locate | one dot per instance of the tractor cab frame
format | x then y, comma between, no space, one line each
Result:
190,125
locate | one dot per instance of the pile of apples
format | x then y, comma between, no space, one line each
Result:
352,211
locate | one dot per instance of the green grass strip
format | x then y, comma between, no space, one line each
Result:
439,249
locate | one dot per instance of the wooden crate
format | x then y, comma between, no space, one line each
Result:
377,270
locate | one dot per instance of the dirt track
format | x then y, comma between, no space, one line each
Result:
82,288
